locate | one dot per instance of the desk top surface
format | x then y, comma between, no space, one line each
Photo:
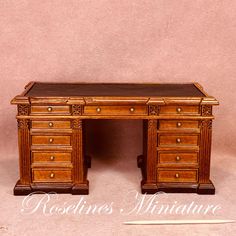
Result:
120,90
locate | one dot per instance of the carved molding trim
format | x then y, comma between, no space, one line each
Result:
77,110
153,110
76,124
23,109
206,110
23,124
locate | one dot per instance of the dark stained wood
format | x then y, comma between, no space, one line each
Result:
177,129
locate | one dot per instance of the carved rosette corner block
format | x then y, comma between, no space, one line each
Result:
206,124
153,110
206,110
23,109
23,124
77,110
76,124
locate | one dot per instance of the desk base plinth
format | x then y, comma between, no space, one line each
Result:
75,189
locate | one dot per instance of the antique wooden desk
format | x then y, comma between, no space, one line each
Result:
177,128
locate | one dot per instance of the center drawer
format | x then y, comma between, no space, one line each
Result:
51,140
51,175
178,140
115,110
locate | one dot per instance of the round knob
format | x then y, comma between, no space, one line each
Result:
98,110
52,175
50,140
49,109
50,124
179,124
132,109
52,158
178,140
176,175
179,109
177,158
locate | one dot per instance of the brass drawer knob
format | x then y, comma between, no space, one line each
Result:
177,175
52,158
50,124
178,158
179,109
178,140
51,140
98,109
179,124
49,109
132,109
52,175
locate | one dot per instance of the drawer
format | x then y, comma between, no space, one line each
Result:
179,110
115,110
50,140
178,158
178,124
48,110
178,140
51,175
52,124
177,176
50,157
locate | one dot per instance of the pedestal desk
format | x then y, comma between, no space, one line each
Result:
177,130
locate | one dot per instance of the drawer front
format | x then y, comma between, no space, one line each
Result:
50,157
178,124
178,140
175,176
50,140
51,175
51,124
48,110
179,158
179,110
115,110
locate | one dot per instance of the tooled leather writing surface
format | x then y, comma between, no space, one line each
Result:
129,90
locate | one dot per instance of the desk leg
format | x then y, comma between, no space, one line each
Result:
205,184
23,187
81,184
148,161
